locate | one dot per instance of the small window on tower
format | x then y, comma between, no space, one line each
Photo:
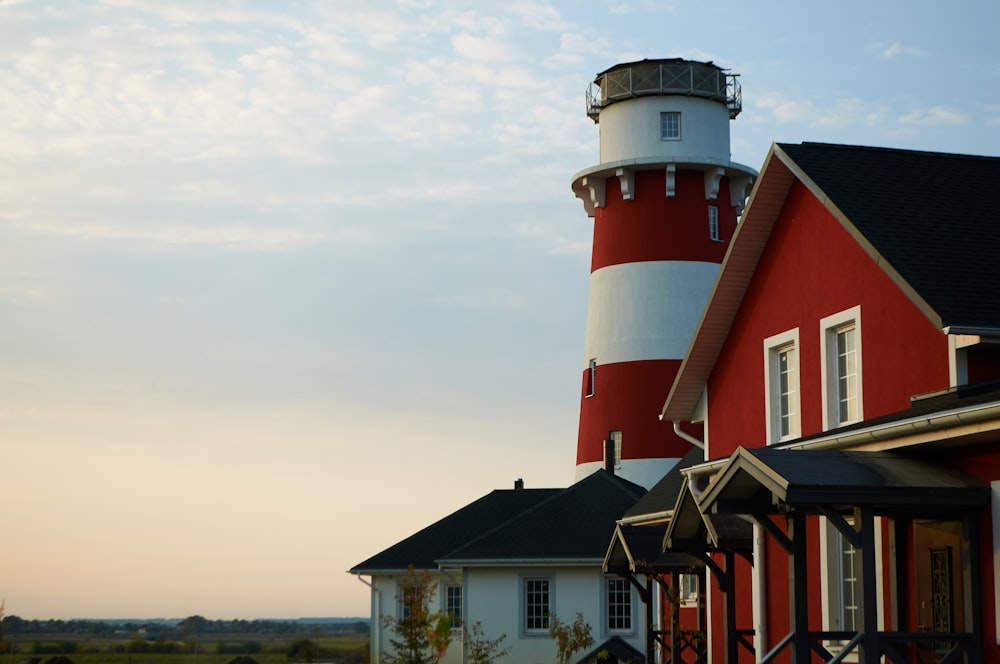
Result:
713,223
670,126
590,378
616,440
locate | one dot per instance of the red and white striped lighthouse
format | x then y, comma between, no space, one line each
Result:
665,201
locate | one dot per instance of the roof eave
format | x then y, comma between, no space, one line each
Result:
766,200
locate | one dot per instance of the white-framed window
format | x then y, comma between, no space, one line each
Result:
688,590
781,386
616,447
406,596
453,604
841,582
713,223
670,126
840,347
617,606
591,378
536,602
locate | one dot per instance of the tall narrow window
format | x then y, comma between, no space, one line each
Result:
781,386
536,604
713,223
670,126
616,446
847,373
408,597
618,601
590,379
840,340
788,398
453,605
841,584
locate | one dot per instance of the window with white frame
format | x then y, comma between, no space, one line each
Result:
840,346
842,585
670,126
537,602
617,605
408,597
591,377
688,590
453,604
713,223
781,386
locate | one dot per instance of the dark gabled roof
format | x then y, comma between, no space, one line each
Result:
574,524
663,495
425,547
931,215
615,650
639,550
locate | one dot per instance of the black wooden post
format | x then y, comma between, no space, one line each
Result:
798,581
864,523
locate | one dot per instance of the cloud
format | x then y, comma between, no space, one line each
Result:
897,49
937,115
840,113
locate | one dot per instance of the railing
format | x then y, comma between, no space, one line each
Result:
674,78
896,647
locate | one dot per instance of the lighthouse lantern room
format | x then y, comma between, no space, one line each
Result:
665,199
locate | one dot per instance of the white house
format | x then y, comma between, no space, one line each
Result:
512,558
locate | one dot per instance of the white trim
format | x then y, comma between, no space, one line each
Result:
995,514
772,345
828,348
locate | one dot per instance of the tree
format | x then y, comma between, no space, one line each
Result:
569,638
421,636
479,649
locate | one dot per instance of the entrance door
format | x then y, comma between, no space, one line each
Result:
937,550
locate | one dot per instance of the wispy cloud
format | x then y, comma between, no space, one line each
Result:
937,115
897,49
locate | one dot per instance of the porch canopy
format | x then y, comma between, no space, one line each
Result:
699,534
773,479
797,483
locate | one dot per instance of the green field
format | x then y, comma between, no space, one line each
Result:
286,649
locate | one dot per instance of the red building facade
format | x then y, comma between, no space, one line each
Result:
844,370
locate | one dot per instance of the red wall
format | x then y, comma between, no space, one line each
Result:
652,227
810,269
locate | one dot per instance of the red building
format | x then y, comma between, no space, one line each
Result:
845,370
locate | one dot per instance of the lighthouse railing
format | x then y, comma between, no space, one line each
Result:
675,78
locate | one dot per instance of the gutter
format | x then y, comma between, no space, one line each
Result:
911,426
639,518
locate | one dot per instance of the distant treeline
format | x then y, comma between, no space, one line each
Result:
176,629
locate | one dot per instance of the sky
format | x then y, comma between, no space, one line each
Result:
282,283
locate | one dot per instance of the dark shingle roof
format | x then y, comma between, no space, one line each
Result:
423,548
663,495
931,215
576,522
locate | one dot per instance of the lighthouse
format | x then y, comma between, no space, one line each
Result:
665,199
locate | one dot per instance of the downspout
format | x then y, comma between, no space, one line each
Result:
697,443
376,618
686,436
